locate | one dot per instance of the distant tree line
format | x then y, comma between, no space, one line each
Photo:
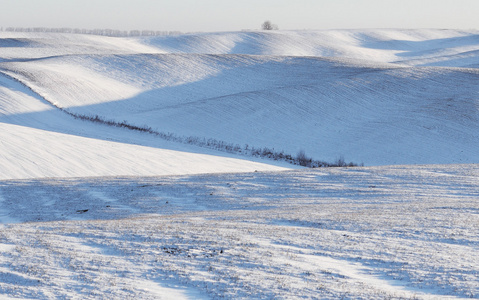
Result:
103,32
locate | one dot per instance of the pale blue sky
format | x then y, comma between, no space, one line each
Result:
229,15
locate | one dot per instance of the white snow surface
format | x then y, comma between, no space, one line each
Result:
376,97
404,232
37,140
94,211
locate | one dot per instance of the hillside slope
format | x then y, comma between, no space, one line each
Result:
37,140
375,232
372,96
419,47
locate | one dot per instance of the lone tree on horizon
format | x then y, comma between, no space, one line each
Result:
267,25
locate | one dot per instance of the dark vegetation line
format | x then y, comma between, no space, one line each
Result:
300,159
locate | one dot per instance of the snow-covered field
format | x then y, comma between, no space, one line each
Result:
357,233
375,97
90,210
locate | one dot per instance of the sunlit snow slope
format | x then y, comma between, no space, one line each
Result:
375,96
39,141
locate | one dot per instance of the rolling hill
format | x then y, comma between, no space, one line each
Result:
108,148
375,97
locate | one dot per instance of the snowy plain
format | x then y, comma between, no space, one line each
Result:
359,233
95,211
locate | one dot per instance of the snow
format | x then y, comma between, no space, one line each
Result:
65,147
412,47
374,96
89,210
359,233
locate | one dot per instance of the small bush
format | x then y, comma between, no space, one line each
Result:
303,159
340,162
